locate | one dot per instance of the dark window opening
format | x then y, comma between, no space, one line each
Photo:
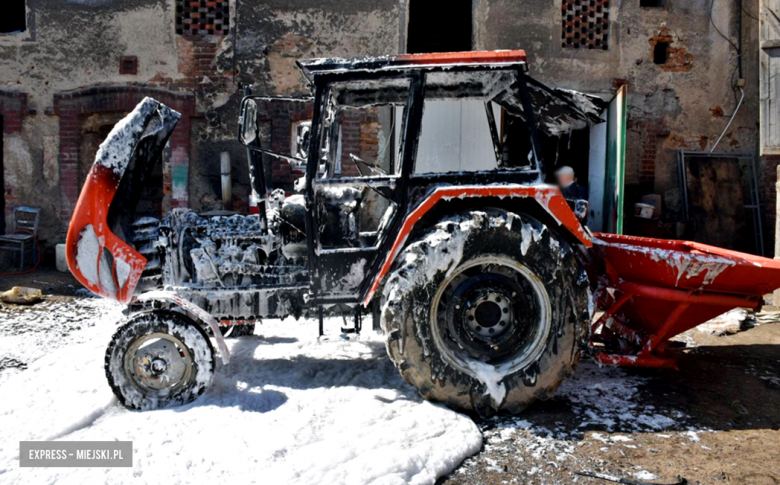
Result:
557,151
128,65
651,3
14,18
438,26
659,52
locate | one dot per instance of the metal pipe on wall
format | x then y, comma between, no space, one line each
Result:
227,180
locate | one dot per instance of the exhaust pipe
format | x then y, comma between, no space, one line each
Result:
227,184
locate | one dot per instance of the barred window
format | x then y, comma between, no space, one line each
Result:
202,17
585,24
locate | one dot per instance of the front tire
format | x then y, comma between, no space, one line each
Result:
159,359
486,312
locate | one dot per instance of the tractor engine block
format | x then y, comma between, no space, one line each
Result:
232,266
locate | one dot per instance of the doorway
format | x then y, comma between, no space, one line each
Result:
567,149
607,162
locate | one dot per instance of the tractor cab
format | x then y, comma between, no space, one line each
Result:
388,131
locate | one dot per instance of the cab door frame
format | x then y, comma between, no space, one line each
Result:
395,186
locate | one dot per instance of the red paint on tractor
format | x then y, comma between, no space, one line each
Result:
474,57
653,289
548,196
92,209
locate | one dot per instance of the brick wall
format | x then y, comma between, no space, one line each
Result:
369,141
12,106
650,130
69,106
351,140
279,117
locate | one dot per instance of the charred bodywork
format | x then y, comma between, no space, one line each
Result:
487,277
312,246
231,266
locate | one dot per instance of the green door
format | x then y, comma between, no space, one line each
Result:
616,163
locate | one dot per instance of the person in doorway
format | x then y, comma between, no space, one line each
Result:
567,181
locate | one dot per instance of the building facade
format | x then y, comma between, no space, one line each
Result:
69,69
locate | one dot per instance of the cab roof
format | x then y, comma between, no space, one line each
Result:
481,74
404,62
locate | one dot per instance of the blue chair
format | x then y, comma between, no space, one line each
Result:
22,237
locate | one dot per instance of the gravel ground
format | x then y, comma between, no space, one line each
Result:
716,420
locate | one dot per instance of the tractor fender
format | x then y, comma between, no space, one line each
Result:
547,196
193,311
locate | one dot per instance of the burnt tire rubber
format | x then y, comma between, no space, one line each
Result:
159,359
487,312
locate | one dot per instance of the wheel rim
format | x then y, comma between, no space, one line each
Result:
491,310
158,363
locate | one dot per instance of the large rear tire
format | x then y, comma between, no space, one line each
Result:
486,312
159,359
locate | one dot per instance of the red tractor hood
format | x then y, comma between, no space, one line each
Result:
96,248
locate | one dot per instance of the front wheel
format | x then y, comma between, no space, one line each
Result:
486,312
159,359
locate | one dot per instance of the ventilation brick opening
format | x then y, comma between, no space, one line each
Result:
585,24
202,17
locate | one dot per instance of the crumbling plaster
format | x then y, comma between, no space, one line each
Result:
28,175
77,43
683,101
73,44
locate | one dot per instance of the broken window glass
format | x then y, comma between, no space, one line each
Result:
361,128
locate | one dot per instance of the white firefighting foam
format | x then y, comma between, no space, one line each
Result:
289,408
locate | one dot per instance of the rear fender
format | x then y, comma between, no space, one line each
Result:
547,196
100,259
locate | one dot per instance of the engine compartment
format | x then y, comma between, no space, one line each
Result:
237,267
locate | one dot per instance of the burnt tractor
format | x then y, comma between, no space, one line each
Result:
423,203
